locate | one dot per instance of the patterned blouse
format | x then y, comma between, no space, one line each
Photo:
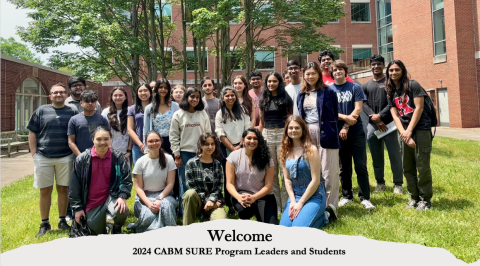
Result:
197,178
161,123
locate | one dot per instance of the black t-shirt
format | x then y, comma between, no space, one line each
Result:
275,111
376,102
406,106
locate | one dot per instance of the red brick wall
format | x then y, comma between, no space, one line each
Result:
413,44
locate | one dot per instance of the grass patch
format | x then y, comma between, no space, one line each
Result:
451,224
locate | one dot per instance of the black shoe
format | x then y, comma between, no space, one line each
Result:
117,229
331,211
231,212
62,225
44,228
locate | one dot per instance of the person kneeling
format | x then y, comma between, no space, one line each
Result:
305,186
100,183
154,180
204,178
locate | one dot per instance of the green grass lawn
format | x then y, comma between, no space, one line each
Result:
453,223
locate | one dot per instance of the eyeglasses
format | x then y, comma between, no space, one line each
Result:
153,141
58,92
293,68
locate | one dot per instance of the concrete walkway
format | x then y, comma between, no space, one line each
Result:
21,164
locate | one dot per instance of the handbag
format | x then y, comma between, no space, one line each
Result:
79,230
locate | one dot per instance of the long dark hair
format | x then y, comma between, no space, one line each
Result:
138,103
247,100
404,80
162,159
156,97
202,140
112,112
319,84
267,96
236,109
184,105
261,155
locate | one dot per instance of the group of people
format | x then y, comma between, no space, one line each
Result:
274,149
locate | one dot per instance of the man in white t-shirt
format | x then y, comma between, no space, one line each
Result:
295,72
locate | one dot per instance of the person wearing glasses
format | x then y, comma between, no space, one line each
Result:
52,157
77,85
295,73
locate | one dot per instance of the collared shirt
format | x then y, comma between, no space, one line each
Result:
100,181
75,105
198,177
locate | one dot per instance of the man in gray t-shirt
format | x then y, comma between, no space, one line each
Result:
77,85
81,126
212,104
293,89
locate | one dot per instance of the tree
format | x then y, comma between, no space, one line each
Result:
18,50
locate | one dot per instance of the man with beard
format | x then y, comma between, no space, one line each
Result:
77,85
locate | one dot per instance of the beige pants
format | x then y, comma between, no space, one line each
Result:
274,143
192,205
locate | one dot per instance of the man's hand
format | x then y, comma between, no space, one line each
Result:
375,118
78,215
351,119
120,205
382,127
343,133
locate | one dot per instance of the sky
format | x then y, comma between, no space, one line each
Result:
11,18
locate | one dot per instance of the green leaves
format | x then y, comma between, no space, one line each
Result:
18,50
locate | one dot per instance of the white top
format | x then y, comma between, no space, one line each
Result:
233,130
310,108
293,91
185,130
154,177
119,140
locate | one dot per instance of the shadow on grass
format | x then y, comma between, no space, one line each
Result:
444,204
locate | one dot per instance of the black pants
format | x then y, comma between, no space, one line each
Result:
228,201
167,148
354,146
264,209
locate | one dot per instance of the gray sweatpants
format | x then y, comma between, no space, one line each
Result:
97,217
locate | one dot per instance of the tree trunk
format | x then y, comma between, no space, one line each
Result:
184,45
249,52
153,37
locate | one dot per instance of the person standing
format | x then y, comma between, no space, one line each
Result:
286,77
77,85
326,58
256,80
378,111
406,99
318,106
100,183
241,87
52,157
295,74
275,107
135,120
177,93
212,104
81,126
352,137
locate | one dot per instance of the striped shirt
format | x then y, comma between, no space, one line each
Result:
50,125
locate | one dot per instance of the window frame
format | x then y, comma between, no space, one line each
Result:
433,29
352,3
190,49
264,69
21,122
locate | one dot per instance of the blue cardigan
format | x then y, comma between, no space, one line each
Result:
327,108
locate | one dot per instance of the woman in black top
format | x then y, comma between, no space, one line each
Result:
275,106
406,99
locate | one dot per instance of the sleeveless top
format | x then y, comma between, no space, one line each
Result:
301,176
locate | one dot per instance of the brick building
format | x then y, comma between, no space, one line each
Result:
25,86
440,45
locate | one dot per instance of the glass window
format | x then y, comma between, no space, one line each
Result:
264,60
30,86
166,10
28,97
361,54
301,58
360,12
438,17
191,61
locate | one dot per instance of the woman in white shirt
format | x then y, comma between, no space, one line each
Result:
154,176
116,115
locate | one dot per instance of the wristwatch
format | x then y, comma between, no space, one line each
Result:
345,127
129,151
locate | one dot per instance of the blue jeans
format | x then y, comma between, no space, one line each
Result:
136,153
181,176
311,215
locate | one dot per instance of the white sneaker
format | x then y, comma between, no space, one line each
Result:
367,204
398,190
344,201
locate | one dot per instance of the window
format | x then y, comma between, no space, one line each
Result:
265,60
301,58
295,14
361,54
360,12
191,61
166,10
439,43
385,33
335,21
263,12
28,97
